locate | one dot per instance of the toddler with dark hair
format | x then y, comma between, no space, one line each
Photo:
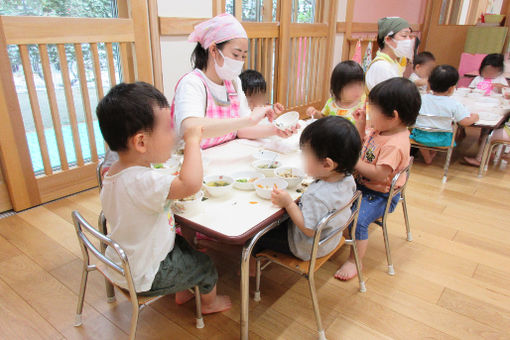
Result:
330,149
135,122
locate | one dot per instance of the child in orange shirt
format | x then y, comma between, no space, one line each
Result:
393,107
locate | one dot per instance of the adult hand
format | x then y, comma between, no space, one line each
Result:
287,133
262,112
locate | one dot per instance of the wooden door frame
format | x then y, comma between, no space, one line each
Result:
14,154
25,188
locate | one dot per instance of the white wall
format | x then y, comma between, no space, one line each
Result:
176,51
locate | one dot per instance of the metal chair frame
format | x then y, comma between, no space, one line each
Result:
317,242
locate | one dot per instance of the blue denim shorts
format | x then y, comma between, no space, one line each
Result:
372,207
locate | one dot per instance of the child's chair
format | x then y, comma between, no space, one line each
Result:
382,221
101,226
448,149
104,265
308,268
487,152
468,63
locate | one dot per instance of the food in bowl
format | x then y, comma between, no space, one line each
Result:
264,186
272,165
172,164
244,180
218,185
188,205
266,166
293,176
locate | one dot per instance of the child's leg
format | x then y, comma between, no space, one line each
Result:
499,134
348,270
212,303
427,155
372,208
184,268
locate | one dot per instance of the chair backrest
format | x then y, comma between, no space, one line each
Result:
435,121
99,176
468,63
393,188
353,205
84,230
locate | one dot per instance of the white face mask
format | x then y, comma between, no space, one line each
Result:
405,48
231,68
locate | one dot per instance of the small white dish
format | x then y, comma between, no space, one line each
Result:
266,166
171,164
264,186
244,180
189,205
287,120
266,154
293,176
218,185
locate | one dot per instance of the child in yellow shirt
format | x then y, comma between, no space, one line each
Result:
347,89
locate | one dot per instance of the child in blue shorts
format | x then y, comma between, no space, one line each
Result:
442,81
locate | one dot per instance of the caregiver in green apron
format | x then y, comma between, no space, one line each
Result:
396,47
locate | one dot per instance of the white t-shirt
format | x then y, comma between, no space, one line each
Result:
190,98
442,106
414,77
380,71
139,218
498,80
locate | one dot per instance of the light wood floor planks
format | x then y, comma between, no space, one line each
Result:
451,282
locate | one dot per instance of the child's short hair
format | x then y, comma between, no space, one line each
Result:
398,94
344,73
127,109
495,60
443,77
334,137
253,82
423,58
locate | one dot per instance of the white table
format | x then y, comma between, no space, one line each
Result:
233,219
492,115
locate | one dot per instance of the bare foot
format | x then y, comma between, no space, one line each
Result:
472,161
220,304
183,297
347,271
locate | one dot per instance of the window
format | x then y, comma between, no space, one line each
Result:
60,8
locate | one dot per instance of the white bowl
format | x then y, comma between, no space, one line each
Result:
294,175
266,154
189,205
171,164
263,166
218,191
249,176
264,186
287,120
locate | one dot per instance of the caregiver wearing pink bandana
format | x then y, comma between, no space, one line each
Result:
211,95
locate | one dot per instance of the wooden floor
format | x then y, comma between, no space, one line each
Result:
451,282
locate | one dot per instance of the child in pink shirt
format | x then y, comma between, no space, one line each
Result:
393,107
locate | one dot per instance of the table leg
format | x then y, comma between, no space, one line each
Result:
245,277
485,155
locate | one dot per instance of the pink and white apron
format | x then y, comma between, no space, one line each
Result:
216,110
